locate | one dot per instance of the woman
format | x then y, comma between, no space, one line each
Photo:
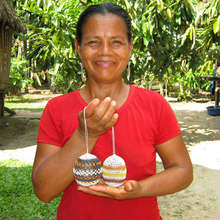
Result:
144,124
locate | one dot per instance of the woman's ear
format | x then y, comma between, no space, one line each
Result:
77,47
130,47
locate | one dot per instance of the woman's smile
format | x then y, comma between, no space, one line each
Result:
104,64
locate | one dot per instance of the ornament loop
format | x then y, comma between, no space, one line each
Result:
86,131
113,140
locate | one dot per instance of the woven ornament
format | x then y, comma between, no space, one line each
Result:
87,169
114,168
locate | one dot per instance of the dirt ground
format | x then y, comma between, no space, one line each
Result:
201,132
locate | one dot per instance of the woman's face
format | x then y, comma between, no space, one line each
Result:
104,49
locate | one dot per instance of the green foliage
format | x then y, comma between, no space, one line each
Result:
17,199
18,76
51,34
167,34
164,39
209,30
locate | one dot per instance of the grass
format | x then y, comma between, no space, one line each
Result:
23,107
27,102
17,199
22,99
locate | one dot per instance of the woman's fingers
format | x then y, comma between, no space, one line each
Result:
109,124
101,109
93,192
109,114
90,108
101,190
100,115
130,189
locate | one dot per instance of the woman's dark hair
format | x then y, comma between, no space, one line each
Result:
103,8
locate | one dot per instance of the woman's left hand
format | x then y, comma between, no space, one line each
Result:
130,189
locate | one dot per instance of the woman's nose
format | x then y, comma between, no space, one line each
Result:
105,48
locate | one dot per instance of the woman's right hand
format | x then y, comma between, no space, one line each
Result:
100,117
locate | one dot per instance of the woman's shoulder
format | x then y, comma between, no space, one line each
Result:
151,102
64,98
146,93
64,101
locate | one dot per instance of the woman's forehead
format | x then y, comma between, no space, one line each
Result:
107,23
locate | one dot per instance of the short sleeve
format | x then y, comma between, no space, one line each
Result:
168,126
49,129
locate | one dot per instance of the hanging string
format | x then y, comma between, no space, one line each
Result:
86,133
86,130
113,139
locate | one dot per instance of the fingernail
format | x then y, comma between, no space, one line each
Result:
113,103
96,101
107,99
115,116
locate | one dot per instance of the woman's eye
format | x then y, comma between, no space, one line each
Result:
92,43
117,42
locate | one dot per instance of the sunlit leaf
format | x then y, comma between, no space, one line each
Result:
216,25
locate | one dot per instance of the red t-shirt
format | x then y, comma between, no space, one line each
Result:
145,120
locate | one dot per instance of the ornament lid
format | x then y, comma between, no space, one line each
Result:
114,161
87,156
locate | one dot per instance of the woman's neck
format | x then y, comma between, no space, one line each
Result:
116,91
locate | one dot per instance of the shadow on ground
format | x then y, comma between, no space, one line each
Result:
198,126
19,132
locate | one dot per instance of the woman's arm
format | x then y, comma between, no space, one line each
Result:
177,175
52,169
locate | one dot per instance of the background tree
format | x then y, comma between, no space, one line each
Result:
209,30
168,42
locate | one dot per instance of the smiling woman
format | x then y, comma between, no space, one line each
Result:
142,120
104,48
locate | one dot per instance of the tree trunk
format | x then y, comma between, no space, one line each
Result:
161,88
52,83
2,103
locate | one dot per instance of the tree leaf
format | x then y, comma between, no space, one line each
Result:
185,35
160,5
169,13
216,25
